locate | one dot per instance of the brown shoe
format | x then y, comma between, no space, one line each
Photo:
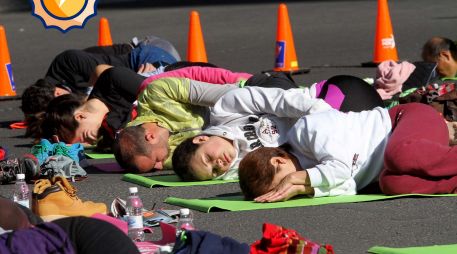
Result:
57,198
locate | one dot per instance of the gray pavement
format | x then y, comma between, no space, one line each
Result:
331,37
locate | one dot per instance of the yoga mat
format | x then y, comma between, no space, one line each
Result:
167,180
109,167
441,249
100,155
236,203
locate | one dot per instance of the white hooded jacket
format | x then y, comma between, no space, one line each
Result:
342,152
253,117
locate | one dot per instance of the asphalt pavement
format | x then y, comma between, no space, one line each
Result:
331,37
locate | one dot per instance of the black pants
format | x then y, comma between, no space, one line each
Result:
354,94
90,235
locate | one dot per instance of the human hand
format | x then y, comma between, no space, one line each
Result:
285,190
147,67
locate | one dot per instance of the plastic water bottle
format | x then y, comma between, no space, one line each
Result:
184,222
135,216
21,193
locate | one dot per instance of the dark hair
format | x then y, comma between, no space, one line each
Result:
435,45
181,159
256,171
129,143
36,97
59,118
183,64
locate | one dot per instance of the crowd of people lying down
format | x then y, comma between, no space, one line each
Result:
279,138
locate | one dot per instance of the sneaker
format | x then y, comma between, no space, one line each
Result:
74,151
57,198
43,150
27,165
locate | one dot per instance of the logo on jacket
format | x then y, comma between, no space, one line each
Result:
64,14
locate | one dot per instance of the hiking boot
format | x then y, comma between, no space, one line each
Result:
57,198
27,165
43,150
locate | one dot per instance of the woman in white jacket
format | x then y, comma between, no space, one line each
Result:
331,153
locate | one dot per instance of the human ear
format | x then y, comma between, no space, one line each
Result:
200,139
446,55
276,160
150,137
79,116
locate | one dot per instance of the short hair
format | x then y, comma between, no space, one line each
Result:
59,118
129,143
183,64
256,172
36,97
181,159
435,45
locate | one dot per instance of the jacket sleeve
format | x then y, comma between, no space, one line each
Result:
330,174
198,73
166,101
292,103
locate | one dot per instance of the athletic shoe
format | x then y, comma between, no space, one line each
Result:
74,151
57,198
43,150
27,165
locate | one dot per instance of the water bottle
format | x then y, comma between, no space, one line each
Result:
135,216
21,193
184,222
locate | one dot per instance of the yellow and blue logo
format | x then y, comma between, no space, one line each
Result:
64,14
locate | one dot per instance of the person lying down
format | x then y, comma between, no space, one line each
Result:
406,149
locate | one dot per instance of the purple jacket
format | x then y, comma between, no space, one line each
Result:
42,239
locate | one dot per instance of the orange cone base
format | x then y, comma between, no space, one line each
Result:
292,72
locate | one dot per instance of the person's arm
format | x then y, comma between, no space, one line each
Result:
167,101
198,73
296,183
292,103
207,94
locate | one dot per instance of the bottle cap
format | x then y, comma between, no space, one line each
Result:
133,189
20,176
184,211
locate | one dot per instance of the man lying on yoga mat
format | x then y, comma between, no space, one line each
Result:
171,111
331,153
247,119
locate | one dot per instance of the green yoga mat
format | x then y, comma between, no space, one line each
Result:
441,249
167,180
100,155
236,203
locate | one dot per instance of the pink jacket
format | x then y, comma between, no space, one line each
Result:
205,74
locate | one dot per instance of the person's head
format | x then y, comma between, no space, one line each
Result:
65,118
443,52
36,97
203,157
262,169
141,148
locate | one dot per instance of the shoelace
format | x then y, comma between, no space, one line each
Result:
61,150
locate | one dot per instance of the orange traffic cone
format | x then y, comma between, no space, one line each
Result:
285,56
7,87
104,34
196,51
384,45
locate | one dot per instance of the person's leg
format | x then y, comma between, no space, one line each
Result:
418,158
90,235
349,93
